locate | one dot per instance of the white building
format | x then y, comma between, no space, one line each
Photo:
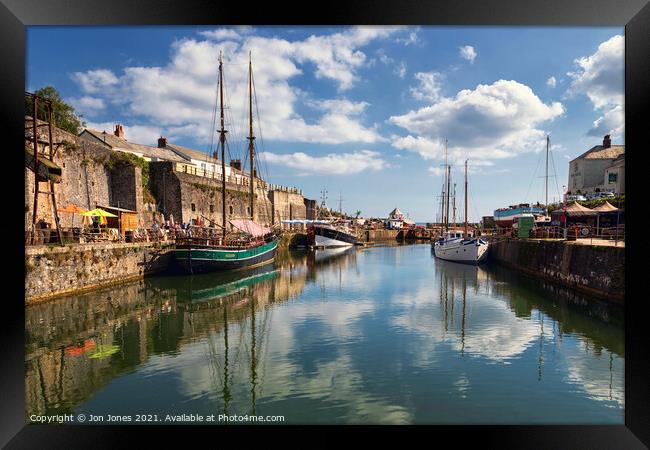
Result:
396,220
601,168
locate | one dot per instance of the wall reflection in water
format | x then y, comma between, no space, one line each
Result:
377,335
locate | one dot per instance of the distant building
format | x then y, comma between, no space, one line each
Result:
601,168
396,220
487,222
184,183
117,141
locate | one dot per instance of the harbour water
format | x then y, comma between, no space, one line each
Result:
376,335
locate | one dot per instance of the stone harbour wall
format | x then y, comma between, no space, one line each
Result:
591,269
52,271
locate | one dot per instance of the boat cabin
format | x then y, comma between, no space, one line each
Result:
457,234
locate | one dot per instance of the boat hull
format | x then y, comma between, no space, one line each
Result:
465,252
205,259
505,217
331,237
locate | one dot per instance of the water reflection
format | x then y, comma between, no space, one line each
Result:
376,335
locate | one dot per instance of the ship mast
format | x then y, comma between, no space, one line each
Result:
465,200
251,138
222,139
447,193
546,183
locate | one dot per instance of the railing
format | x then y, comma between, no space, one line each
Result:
572,232
238,179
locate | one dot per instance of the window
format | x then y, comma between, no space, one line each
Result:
231,210
612,177
193,206
211,208
248,210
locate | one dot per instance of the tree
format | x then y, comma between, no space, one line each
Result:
358,213
63,115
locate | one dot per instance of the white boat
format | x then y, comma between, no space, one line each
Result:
459,245
331,235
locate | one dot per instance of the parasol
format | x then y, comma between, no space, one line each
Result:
73,209
98,212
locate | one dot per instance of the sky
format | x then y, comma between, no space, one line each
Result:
361,112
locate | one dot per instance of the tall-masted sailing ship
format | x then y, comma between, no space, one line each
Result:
248,243
458,245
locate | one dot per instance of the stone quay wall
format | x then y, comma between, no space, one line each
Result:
187,196
594,270
52,271
87,180
380,235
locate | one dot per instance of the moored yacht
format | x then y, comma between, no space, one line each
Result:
459,245
332,234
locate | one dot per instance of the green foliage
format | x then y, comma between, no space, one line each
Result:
119,159
63,115
618,201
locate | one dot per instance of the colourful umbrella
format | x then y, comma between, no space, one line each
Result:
73,209
98,212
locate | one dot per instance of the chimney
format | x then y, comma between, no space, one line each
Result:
607,142
235,164
119,131
162,142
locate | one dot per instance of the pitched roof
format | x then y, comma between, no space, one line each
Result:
576,209
600,152
191,154
118,143
606,207
395,212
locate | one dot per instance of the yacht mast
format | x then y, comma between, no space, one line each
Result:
454,205
465,200
546,184
447,194
251,138
222,139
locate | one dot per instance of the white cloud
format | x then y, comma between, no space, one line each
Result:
180,95
337,56
600,78
227,33
467,52
383,57
490,122
95,81
551,82
412,38
400,70
331,164
429,87
139,134
87,105
437,171
612,122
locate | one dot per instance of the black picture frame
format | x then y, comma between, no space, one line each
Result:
15,15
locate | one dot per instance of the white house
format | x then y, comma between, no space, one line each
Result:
601,168
397,220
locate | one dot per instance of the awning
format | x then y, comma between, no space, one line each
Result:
606,207
304,221
575,209
250,227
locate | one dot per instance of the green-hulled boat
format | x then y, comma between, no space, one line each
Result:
207,250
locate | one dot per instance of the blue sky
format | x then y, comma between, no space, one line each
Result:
360,111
